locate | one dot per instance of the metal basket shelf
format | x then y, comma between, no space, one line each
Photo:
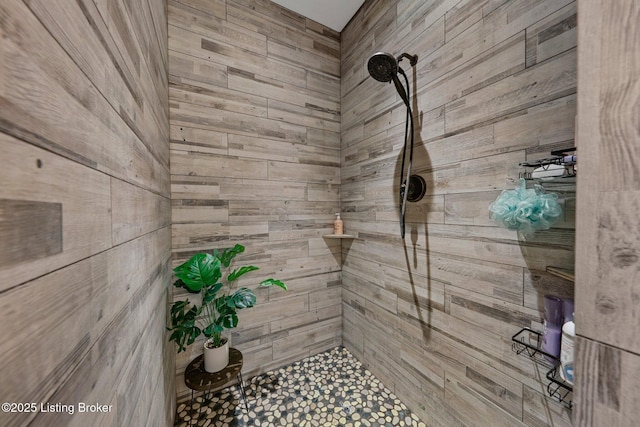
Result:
529,342
570,170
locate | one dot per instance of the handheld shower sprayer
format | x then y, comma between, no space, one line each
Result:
384,67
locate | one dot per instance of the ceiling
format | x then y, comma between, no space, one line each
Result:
334,14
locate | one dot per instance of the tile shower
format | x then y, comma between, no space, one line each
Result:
276,126
271,126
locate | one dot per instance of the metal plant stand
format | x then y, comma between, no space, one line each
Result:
197,379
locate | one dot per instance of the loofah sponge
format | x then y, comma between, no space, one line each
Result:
526,210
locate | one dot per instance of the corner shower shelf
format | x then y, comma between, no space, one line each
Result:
556,387
570,171
339,236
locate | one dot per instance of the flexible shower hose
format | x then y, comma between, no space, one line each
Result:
404,186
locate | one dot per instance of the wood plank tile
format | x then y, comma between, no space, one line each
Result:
323,83
85,132
34,230
462,16
216,8
84,220
38,380
209,235
188,42
243,81
84,42
200,164
542,83
135,211
606,359
30,79
195,71
471,406
618,81
605,377
416,11
539,283
476,175
193,115
539,410
323,138
283,171
489,67
268,12
499,317
541,125
189,211
614,259
328,65
385,298
552,35
184,138
310,116
217,28
469,209
109,293
220,99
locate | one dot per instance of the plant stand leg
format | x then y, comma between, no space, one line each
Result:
207,397
191,410
242,391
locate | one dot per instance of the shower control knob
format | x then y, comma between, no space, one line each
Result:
417,188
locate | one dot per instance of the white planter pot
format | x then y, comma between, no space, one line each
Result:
217,358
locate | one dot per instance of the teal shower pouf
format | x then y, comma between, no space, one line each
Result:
526,210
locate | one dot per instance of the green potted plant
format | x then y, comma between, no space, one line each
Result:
204,274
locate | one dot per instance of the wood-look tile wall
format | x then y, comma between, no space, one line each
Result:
433,316
608,239
85,239
255,159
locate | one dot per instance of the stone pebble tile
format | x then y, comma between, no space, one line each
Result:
327,389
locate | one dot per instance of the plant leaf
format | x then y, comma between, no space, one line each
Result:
178,314
180,284
200,270
228,254
210,293
273,282
193,334
208,331
243,298
183,327
179,306
222,304
184,333
235,274
228,321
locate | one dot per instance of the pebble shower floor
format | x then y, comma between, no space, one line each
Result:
328,389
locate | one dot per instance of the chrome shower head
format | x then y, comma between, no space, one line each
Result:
382,66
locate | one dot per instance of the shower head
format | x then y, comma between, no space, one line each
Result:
383,67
